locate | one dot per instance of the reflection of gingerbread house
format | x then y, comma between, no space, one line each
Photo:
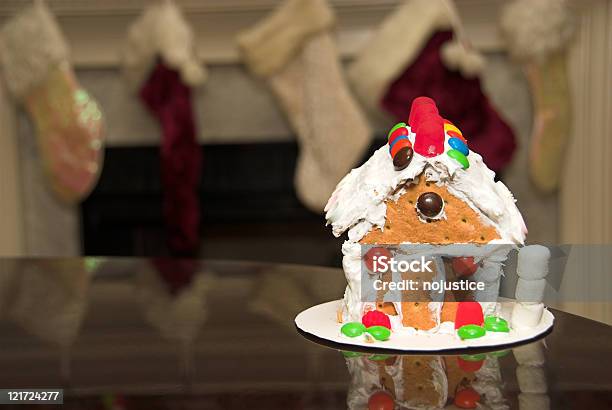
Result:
424,187
427,382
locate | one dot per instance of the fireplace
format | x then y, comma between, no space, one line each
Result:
248,205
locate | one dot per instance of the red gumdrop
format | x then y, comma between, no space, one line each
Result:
468,313
468,365
429,140
421,107
464,266
368,258
467,398
381,400
376,318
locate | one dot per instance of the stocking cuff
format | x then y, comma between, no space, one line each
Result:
31,44
274,41
396,45
161,32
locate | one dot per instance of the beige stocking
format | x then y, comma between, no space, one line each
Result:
294,51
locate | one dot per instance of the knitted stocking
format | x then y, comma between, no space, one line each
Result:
294,51
160,62
68,120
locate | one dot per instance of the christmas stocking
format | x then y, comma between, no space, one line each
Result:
539,43
161,63
294,52
419,51
68,120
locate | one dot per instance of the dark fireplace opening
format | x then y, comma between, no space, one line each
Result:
249,207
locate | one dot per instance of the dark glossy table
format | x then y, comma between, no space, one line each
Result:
168,334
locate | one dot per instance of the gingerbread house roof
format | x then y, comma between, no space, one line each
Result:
359,202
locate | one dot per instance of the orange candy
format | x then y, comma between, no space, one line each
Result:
381,400
467,398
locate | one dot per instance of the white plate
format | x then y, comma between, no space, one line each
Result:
320,321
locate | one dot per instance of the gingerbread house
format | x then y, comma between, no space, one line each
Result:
425,187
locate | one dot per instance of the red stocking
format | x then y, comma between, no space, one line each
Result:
169,100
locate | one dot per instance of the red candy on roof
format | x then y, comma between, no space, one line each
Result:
426,122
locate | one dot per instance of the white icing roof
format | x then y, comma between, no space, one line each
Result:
358,203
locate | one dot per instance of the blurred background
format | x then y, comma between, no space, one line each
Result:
141,128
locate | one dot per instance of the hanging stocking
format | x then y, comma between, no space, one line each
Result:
160,61
294,51
419,51
68,120
539,42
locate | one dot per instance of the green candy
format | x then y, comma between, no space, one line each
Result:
353,329
396,126
499,353
473,357
496,324
379,357
379,332
459,157
350,355
471,332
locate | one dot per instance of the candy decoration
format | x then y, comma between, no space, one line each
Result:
500,353
457,156
496,324
400,146
353,329
459,145
402,159
380,333
429,140
467,398
373,253
400,143
471,332
429,204
397,132
468,313
469,365
464,266
450,127
350,355
397,126
376,318
478,357
380,357
421,107
381,400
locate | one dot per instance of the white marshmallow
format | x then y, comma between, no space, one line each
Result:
526,315
532,401
531,354
530,291
531,379
532,263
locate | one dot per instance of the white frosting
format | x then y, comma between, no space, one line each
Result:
358,203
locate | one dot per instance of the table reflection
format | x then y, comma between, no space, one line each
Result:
386,382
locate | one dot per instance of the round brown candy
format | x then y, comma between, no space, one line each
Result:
430,204
402,159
